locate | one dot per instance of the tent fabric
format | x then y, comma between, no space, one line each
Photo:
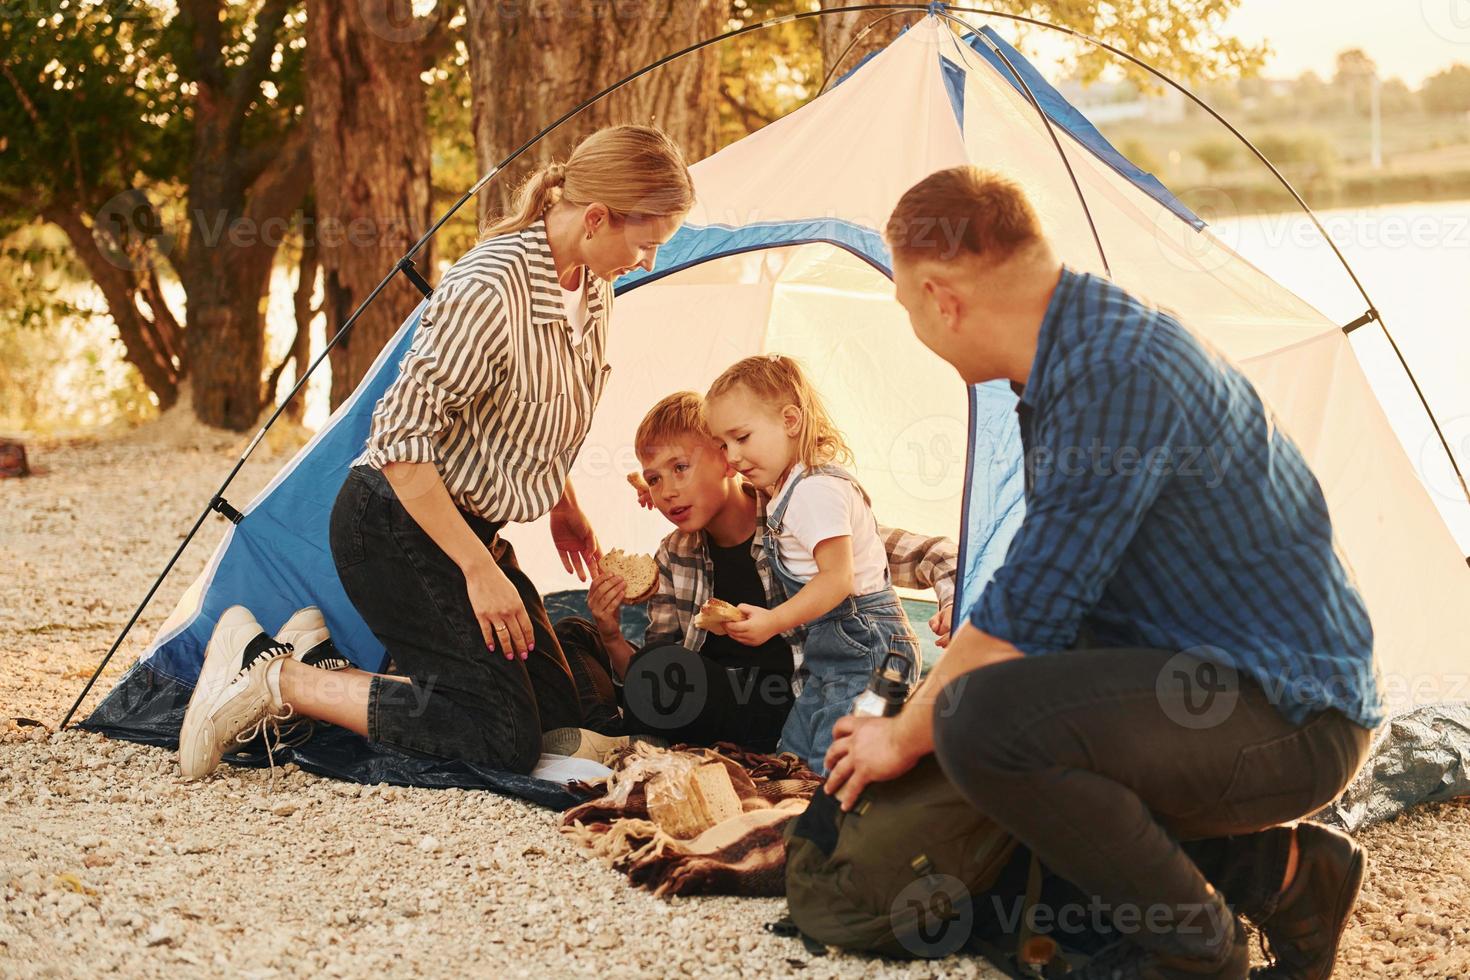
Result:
783,252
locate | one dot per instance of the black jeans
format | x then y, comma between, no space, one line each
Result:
1103,761
681,695
464,701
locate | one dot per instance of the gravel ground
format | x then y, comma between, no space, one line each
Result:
109,864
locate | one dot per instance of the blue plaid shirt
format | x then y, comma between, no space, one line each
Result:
1165,509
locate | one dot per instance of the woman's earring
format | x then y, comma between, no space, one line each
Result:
589,236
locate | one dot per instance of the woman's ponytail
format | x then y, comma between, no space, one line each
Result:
636,171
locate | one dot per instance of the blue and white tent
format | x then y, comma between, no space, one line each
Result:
783,252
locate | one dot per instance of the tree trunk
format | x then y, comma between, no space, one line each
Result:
528,69
370,137
838,31
152,341
241,201
233,241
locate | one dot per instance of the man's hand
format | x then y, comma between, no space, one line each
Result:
758,626
864,751
940,623
575,540
605,601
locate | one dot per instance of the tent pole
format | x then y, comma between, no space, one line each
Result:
1050,131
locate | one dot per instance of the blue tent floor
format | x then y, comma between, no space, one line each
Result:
148,706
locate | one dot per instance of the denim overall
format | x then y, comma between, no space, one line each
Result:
842,647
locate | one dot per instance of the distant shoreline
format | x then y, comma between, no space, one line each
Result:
1223,200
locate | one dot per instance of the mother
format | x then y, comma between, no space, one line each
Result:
480,428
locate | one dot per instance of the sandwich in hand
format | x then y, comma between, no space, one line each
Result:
714,614
638,572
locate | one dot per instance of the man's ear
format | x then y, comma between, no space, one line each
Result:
947,301
791,419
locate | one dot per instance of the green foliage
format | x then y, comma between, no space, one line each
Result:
91,102
1217,153
1142,156
1448,91
1306,154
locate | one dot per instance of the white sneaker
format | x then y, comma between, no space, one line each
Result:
237,694
306,632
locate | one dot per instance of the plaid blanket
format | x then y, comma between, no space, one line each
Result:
741,855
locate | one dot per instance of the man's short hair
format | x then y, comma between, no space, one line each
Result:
962,210
677,416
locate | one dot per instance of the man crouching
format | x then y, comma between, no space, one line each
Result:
1170,653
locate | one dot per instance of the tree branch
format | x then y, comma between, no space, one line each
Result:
209,59
247,78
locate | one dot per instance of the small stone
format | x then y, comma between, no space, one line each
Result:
283,809
429,844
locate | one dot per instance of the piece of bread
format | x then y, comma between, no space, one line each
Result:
638,483
685,805
714,614
638,572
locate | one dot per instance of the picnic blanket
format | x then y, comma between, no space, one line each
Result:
741,855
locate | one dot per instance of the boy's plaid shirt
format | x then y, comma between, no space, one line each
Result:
686,575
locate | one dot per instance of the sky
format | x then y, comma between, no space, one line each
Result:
1409,39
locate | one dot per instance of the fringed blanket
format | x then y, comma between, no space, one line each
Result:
741,855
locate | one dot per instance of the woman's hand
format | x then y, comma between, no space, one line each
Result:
758,626
941,623
575,540
499,610
605,602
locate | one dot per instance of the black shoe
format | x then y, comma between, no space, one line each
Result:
1303,930
1126,960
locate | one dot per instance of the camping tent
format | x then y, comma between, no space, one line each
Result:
783,252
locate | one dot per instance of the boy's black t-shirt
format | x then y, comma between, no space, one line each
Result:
737,581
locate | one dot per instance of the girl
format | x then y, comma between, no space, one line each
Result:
823,545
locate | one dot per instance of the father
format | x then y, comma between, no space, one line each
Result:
1169,653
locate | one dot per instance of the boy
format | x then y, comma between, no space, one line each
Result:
690,685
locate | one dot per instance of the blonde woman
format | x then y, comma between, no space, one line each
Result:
480,428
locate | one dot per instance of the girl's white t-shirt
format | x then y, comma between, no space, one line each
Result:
825,507
574,303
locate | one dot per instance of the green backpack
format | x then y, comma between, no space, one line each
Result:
895,874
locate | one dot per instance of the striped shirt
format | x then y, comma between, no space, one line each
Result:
1166,509
496,391
686,576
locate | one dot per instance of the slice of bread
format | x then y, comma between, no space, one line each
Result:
635,479
686,804
714,614
638,572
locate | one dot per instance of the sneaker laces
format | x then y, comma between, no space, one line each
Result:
268,729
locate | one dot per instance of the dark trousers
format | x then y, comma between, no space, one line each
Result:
682,695
1103,761
464,701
